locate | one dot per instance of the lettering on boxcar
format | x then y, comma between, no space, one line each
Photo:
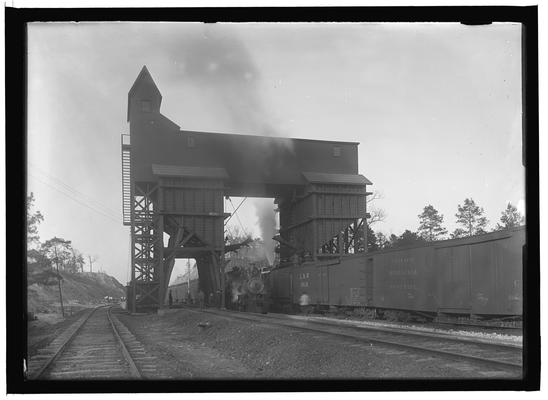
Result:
303,277
357,295
482,299
402,266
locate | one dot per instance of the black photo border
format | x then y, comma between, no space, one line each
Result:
16,167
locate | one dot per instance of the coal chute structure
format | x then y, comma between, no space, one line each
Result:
174,182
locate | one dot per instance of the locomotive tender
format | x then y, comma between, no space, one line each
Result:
474,276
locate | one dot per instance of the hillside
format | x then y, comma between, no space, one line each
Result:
78,289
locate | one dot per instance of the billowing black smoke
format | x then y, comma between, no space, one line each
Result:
214,59
219,62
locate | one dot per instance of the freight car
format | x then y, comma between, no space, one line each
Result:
181,294
478,277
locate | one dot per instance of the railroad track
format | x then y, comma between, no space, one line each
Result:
499,356
97,346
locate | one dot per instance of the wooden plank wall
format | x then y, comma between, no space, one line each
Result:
313,219
198,203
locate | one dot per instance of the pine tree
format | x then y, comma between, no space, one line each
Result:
459,233
430,224
470,216
382,241
510,218
371,239
407,238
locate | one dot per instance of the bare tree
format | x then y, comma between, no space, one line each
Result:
376,214
76,264
234,235
92,259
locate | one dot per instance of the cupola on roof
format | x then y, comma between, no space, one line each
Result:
144,89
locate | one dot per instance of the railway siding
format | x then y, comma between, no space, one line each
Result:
214,344
482,353
193,343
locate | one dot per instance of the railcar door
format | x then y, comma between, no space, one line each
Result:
290,287
454,265
369,282
324,284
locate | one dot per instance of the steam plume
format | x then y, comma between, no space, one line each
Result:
219,63
267,224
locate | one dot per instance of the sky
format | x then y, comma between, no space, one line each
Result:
436,109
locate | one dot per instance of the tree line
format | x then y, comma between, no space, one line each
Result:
55,253
469,218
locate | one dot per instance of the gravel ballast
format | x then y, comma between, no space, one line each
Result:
195,345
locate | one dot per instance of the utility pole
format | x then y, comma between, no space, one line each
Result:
90,265
59,282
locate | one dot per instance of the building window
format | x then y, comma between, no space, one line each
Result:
191,141
336,151
146,106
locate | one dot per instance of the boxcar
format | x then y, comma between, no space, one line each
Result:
180,292
480,275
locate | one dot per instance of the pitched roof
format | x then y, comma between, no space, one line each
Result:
343,179
144,78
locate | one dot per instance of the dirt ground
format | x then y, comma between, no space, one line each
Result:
46,327
192,345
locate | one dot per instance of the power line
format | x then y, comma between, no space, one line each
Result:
74,191
71,196
75,196
235,213
236,210
81,202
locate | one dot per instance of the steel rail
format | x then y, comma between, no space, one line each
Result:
408,332
63,345
486,326
135,373
467,357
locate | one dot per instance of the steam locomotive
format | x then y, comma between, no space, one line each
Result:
246,289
